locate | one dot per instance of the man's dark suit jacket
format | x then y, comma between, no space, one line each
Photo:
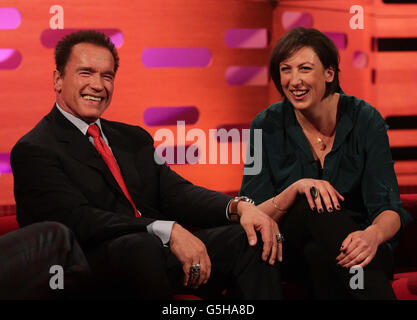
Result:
59,176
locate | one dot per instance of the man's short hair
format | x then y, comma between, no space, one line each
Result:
298,38
64,47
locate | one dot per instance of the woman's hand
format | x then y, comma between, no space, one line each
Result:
277,206
359,247
328,196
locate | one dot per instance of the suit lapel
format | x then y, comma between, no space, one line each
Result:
125,158
78,146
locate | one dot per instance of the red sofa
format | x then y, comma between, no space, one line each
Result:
405,272
405,277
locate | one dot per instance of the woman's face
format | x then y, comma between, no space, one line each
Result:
303,78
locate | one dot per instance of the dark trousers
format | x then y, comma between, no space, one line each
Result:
139,266
26,258
312,243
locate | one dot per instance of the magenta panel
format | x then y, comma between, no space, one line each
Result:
247,76
247,38
176,57
49,38
360,59
339,39
292,19
9,18
9,59
159,116
5,163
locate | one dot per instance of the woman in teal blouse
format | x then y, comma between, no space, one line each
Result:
327,174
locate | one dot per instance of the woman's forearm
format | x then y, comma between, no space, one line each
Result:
276,207
388,223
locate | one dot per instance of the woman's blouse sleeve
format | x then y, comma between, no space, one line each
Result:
379,184
257,184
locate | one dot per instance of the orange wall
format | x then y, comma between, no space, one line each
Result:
26,92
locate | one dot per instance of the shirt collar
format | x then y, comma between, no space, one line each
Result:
80,124
343,127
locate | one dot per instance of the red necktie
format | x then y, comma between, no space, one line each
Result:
106,154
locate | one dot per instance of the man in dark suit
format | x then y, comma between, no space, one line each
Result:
100,179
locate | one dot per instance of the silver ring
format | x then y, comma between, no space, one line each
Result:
195,270
280,238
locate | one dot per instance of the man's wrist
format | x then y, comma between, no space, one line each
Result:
242,205
236,206
162,229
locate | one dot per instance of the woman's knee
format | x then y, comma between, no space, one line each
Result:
300,204
315,254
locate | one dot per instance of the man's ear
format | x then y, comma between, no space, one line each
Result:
57,81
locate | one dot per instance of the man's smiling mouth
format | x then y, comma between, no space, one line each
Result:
92,98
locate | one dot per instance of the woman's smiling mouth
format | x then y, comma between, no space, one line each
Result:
299,94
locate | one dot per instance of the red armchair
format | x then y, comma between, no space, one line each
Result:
405,275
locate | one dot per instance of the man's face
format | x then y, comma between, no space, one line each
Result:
86,89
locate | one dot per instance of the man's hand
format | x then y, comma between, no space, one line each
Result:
252,219
190,250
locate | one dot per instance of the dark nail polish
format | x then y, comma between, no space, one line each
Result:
321,210
330,209
338,207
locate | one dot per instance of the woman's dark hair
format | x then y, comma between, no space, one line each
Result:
298,38
64,47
